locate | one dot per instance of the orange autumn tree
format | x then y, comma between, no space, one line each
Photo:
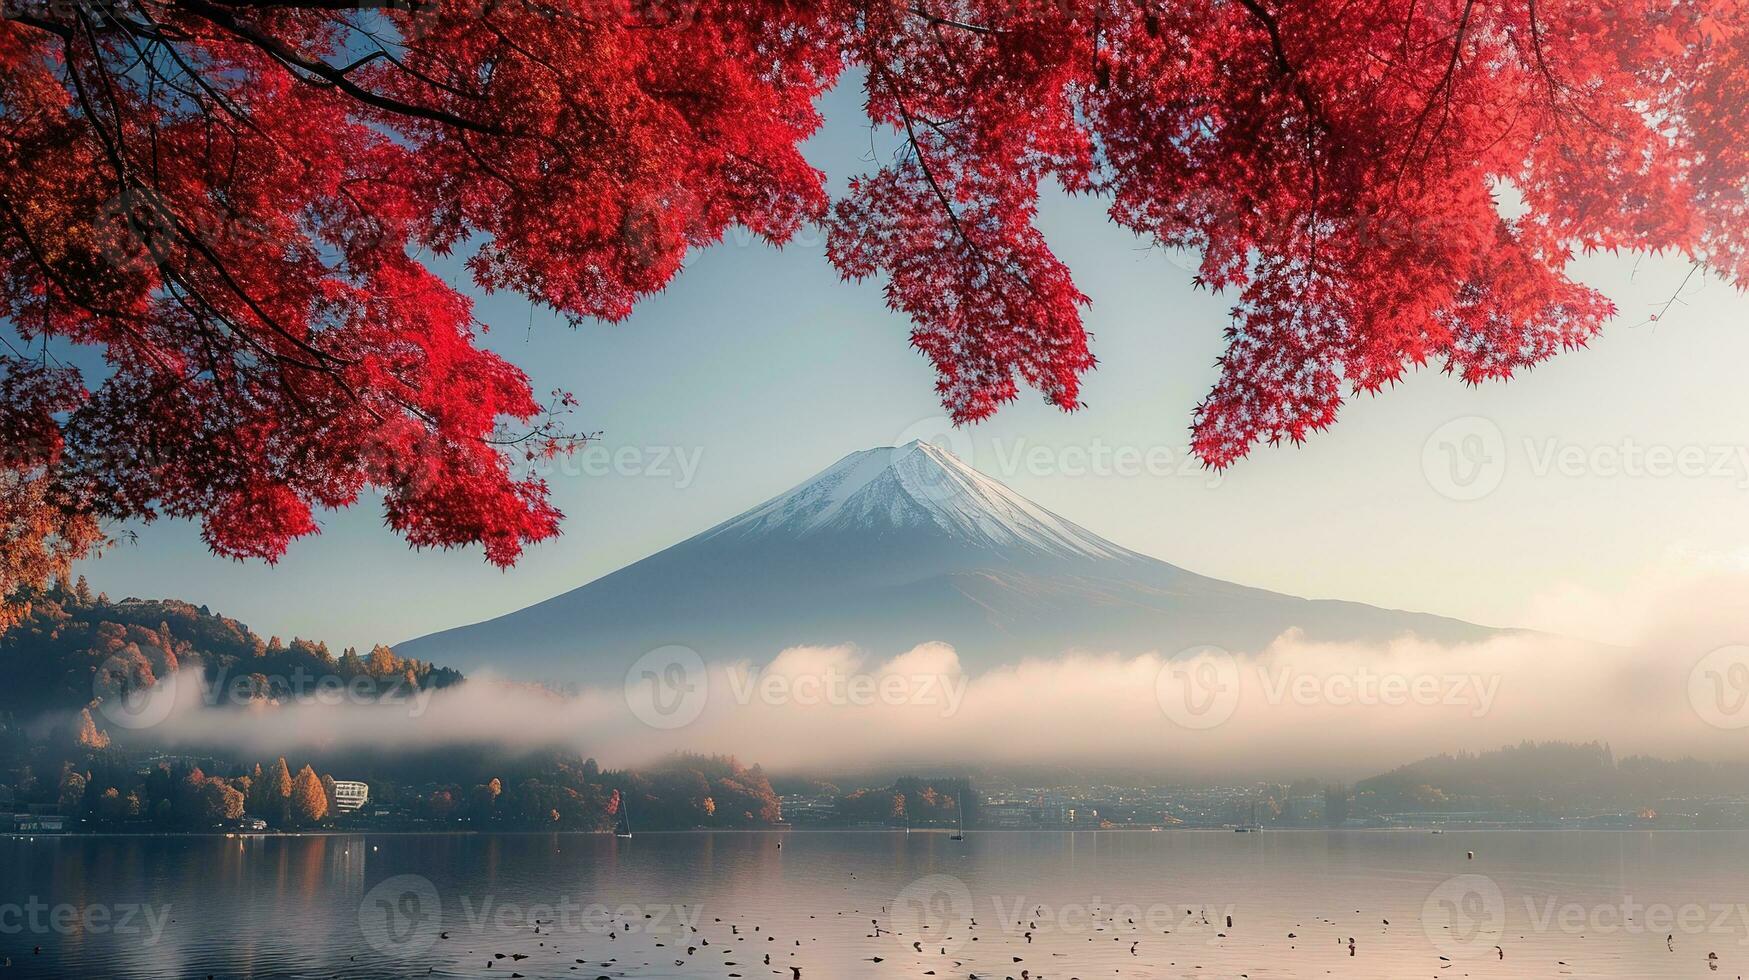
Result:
232,202
309,802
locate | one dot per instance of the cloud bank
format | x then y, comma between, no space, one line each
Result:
1657,673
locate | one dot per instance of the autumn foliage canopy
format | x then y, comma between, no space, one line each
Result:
233,202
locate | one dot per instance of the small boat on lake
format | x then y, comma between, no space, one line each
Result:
624,830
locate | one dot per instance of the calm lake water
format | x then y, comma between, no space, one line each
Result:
1129,905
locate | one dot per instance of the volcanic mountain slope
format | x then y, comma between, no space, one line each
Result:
888,548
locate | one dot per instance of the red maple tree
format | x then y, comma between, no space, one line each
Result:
232,200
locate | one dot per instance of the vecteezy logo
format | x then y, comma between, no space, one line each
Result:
129,696
401,916
1718,687
935,910
668,687
1465,459
1199,688
1464,915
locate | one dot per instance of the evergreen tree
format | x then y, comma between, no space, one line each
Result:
351,664
256,799
276,794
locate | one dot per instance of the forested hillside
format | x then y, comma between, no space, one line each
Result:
72,647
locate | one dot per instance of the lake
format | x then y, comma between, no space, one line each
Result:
854,905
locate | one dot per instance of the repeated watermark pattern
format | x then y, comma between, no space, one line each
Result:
1203,687
671,686
937,909
1471,915
1718,687
127,699
1100,460
677,466
940,911
1470,457
1200,688
405,915
36,916
1006,459
668,687
401,916
1465,914
1465,459
831,686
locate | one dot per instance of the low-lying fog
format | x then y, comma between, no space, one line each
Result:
1652,670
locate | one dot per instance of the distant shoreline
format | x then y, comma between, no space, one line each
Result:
1426,831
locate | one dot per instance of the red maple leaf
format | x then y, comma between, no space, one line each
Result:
229,200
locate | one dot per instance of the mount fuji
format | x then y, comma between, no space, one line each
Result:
886,549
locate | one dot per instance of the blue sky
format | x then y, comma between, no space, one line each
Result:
761,368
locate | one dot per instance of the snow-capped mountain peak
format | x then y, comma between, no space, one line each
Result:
886,549
917,486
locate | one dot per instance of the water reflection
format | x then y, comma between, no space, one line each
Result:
713,905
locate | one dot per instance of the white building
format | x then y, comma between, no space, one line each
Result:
350,794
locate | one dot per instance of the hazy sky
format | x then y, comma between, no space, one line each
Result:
758,368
